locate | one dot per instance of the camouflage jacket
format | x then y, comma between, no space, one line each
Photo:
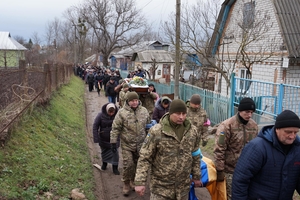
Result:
148,102
198,117
231,137
122,97
169,160
130,125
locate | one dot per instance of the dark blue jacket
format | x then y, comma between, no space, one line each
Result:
264,171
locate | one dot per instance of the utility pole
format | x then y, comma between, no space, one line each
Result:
177,51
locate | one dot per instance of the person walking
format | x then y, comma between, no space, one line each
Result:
130,124
162,106
171,154
90,80
269,165
122,94
98,82
101,134
231,137
110,90
198,117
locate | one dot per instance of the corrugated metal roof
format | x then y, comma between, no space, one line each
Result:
288,13
8,43
161,56
146,45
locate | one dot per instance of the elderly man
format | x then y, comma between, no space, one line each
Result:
130,125
231,137
269,166
171,153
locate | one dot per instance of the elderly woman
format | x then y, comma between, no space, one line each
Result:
101,133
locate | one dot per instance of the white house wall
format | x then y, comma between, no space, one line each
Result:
260,71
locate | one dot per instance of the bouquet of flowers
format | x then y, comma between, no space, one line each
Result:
138,81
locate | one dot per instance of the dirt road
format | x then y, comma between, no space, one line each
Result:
107,185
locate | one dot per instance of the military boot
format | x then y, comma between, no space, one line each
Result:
126,188
132,185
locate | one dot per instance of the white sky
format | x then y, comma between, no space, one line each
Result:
24,17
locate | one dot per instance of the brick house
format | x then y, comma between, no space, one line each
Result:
257,39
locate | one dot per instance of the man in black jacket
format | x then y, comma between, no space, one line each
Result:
110,90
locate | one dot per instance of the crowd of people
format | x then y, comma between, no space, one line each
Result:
253,164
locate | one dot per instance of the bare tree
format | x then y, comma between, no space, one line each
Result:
197,25
152,69
115,24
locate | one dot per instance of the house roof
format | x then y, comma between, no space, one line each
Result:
146,45
288,13
161,56
8,43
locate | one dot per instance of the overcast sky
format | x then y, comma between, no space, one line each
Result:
24,17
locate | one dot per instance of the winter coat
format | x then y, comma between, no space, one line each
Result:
231,137
102,127
159,110
148,101
170,161
264,171
110,89
90,78
130,126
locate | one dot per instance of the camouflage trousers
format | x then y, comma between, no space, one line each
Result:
228,177
158,197
130,159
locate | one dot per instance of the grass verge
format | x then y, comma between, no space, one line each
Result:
47,155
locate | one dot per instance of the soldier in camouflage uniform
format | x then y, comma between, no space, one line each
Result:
198,117
231,137
148,101
129,124
171,153
122,94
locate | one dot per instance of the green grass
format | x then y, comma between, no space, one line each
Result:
47,151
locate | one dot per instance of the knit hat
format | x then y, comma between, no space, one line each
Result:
110,105
246,104
125,85
287,118
132,95
196,99
177,105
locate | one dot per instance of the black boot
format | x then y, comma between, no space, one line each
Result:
115,170
104,165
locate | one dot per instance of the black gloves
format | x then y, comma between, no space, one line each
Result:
220,176
114,147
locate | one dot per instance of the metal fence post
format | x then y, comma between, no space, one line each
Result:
232,95
280,98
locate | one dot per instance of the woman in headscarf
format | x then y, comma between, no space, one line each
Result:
101,133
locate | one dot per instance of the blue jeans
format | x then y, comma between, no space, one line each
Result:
112,99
